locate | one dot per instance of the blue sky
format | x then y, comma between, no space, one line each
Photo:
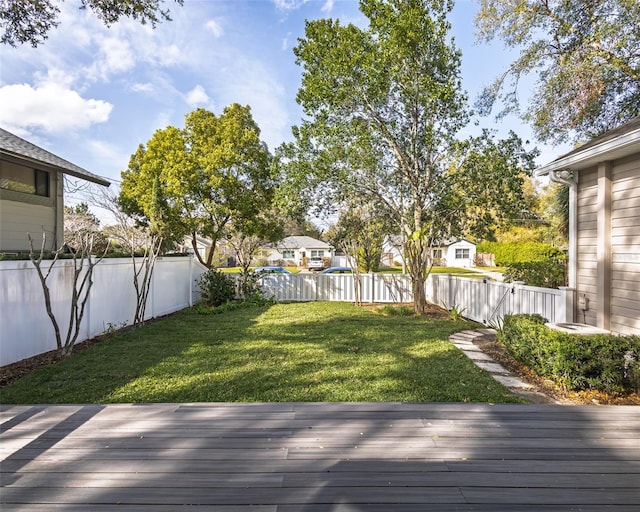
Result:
91,94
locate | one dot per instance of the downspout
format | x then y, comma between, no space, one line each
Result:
570,179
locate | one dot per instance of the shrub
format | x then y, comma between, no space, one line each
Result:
508,254
389,310
216,288
605,362
547,274
248,285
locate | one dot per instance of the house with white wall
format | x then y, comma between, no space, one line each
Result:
447,253
603,177
294,250
31,193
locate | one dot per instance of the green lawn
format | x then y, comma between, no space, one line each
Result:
286,352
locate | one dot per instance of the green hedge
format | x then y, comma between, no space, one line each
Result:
548,274
604,362
508,254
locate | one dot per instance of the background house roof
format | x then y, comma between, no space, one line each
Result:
13,145
297,242
612,145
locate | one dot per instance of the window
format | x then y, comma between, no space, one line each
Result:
437,254
41,180
288,254
317,254
24,179
462,254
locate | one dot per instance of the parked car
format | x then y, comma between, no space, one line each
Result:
315,264
271,270
337,270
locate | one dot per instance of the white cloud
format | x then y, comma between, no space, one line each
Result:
197,96
285,43
250,82
59,77
215,28
328,6
289,5
170,55
110,156
51,107
114,57
142,87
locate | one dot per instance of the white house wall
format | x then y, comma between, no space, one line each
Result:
461,262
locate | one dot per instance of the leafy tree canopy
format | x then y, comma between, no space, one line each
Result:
197,180
29,21
384,106
586,54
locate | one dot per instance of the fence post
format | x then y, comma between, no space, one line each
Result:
373,287
565,305
485,306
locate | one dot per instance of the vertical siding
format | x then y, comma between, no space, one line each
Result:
587,262
625,246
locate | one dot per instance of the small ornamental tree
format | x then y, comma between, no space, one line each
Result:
81,250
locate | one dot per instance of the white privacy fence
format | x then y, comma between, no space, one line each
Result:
337,287
481,300
488,301
26,330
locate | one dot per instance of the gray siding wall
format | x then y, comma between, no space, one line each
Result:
587,243
625,246
24,213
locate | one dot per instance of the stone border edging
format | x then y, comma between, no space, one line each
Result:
464,340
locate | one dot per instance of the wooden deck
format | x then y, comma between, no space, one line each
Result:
319,457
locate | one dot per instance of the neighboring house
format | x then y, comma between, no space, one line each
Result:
455,253
224,254
31,194
392,252
293,250
447,253
604,227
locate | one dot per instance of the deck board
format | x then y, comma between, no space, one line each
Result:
309,457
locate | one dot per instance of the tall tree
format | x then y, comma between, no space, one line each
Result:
586,54
214,171
29,21
384,106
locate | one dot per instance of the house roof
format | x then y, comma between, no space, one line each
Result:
612,145
15,146
298,242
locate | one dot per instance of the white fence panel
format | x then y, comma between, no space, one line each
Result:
26,330
488,301
337,287
392,288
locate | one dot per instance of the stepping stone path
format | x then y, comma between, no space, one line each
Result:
464,340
